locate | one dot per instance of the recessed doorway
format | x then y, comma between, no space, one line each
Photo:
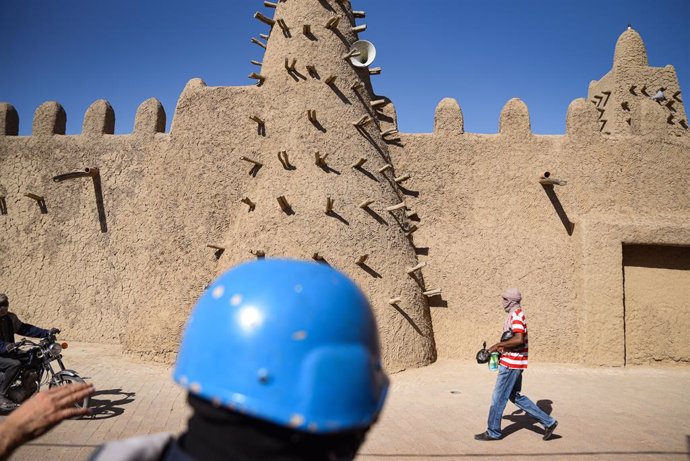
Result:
656,288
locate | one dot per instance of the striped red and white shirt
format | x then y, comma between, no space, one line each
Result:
517,358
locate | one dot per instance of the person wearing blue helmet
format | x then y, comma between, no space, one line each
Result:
281,361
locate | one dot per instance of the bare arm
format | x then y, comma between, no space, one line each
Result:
40,414
517,340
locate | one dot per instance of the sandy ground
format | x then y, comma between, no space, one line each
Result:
431,413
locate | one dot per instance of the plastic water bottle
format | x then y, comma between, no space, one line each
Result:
493,361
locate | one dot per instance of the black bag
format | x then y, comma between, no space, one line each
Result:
508,334
483,355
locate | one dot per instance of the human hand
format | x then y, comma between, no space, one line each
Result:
11,346
54,331
493,348
41,413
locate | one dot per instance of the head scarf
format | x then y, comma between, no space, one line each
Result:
510,298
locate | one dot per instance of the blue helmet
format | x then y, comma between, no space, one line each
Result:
291,342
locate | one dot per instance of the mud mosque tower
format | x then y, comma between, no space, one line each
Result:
323,186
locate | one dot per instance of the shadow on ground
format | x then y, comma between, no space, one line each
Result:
106,403
521,420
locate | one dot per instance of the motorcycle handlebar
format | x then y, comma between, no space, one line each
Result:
42,343
26,342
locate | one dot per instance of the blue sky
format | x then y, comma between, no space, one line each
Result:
480,52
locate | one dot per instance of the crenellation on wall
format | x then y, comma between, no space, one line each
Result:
99,119
514,120
150,118
9,120
49,119
448,119
581,120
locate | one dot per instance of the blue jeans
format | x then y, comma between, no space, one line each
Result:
508,387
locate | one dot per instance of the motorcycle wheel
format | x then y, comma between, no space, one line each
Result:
65,380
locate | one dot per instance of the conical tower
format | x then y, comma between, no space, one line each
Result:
322,184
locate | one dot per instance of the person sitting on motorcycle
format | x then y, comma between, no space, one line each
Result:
9,359
281,361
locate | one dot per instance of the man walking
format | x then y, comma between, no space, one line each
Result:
509,380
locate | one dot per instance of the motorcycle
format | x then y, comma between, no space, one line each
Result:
37,369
